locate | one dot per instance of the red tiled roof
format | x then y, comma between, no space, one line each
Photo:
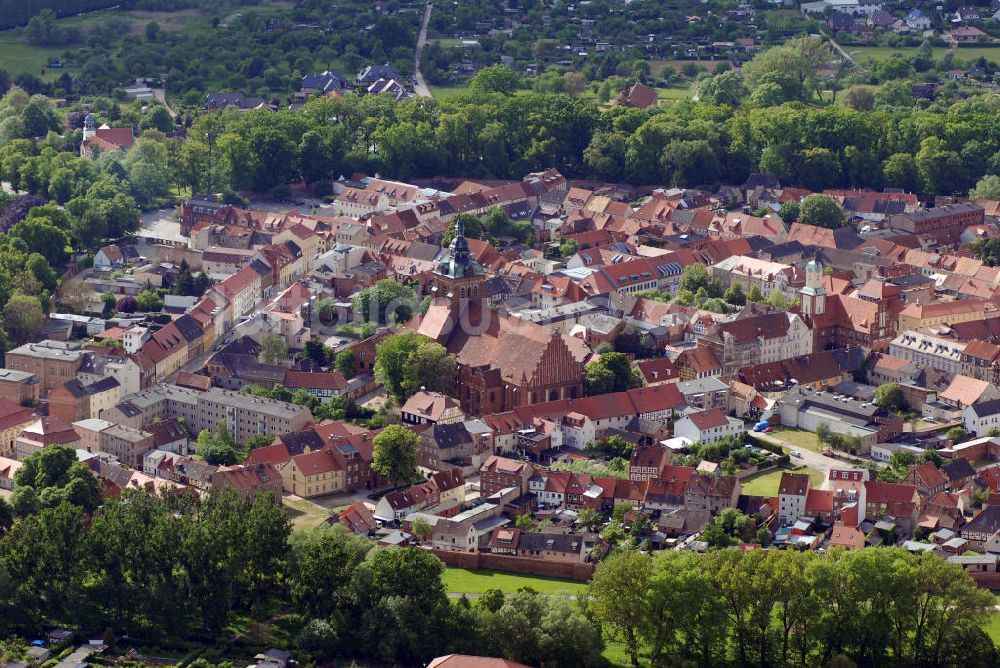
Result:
358,518
275,454
314,463
847,537
930,475
794,484
305,380
657,370
887,492
640,96
238,282
964,390
12,414
819,501
991,478
703,420
121,137
193,381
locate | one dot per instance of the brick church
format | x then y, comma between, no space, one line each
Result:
502,361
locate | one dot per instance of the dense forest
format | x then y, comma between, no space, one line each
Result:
17,12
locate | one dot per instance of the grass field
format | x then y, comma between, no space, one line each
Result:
465,581
17,57
960,54
766,484
448,92
798,438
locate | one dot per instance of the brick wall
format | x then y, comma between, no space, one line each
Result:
504,562
175,254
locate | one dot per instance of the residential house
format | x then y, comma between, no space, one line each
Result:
707,426
358,518
8,469
499,473
711,493
982,417
126,444
555,547
959,473
704,393
793,491
447,445
73,401
41,433
982,527
846,537
323,385
394,506
426,407
927,478
901,502
757,337
13,420
52,362
647,461
19,387
249,481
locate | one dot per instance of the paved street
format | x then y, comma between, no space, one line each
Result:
420,86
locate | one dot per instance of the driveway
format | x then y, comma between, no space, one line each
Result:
813,460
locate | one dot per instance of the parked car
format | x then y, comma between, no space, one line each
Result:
795,453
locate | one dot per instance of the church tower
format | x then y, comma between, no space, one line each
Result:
89,127
459,278
813,295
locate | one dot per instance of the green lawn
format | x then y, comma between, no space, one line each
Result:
766,484
674,93
465,581
448,92
992,628
305,514
797,437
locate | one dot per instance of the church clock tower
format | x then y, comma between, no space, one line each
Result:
813,294
459,278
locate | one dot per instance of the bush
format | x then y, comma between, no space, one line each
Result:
322,188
